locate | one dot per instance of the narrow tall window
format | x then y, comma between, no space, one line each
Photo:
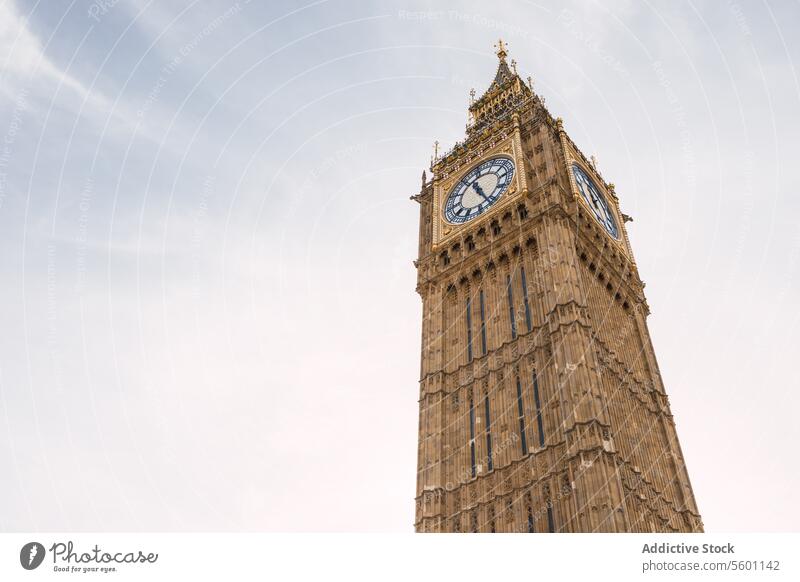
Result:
551,525
511,307
536,401
483,325
521,414
473,467
488,434
469,329
529,506
528,320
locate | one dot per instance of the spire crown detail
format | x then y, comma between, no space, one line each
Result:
501,50
506,92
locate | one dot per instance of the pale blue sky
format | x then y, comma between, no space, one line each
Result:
208,308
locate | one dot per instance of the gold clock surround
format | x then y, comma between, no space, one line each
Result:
448,175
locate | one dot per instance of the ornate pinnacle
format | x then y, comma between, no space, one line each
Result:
514,66
471,96
501,50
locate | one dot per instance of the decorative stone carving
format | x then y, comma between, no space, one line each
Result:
598,389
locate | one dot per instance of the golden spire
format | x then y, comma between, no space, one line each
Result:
501,50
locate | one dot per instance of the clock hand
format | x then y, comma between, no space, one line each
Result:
479,190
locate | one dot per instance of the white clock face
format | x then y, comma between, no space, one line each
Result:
478,190
595,200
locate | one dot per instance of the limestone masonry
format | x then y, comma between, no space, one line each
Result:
541,406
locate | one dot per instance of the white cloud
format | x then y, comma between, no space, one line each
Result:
27,68
25,57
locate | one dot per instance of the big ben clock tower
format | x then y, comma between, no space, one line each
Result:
541,405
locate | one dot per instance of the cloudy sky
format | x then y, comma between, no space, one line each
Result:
207,298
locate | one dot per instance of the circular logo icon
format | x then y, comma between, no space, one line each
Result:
31,555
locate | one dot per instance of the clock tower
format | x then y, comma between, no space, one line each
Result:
541,405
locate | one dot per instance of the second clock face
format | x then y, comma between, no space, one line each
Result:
478,190
595,201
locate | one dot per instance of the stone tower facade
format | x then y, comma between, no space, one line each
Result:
541,405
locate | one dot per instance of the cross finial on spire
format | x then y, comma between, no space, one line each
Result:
501,50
